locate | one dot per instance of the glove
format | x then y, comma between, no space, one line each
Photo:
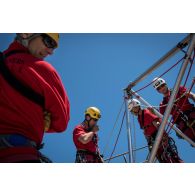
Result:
47,121
179,136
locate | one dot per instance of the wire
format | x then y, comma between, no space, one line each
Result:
159,76
165,104
111,133
173,121
135,150
117,137
168,129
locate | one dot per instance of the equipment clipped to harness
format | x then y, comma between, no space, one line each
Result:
44,159
86,156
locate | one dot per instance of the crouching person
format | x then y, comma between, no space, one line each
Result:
167,152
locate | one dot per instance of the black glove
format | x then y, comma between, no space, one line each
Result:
179,136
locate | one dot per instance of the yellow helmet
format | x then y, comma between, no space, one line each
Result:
54,36
93,112
30,36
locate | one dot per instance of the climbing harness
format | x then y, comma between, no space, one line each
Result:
86,156
17,140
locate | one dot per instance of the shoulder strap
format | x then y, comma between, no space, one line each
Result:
16,84
142,118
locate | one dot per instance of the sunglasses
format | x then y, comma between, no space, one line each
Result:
160,87
95,119
48,41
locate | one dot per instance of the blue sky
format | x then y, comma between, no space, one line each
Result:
94,69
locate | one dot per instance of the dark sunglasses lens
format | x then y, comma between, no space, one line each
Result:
49,42
157,83
160,87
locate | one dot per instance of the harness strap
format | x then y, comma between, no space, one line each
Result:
15,140
88,152
15,83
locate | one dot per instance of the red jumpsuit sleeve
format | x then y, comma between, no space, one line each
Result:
56,99
78,132
182,89
149,117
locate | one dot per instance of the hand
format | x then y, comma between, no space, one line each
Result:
95,129
47,120
179,136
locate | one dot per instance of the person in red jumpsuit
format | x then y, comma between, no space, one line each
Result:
183,112
167,151
86,139
23,122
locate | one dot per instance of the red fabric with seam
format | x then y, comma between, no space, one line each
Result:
18,154
148,119
90,146
179,103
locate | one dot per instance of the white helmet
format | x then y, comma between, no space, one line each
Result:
133,103
157,82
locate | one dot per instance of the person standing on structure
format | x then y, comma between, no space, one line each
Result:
183,112
167,152
86,139
32,97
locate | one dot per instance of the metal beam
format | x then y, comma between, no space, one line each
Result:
162,60
171,101
129,136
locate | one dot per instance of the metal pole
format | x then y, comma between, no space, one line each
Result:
171,101
130,148
161,116
168,55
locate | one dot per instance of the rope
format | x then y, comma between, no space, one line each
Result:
159,76
191,63
165,104
173,121
117,137
111,133
119,155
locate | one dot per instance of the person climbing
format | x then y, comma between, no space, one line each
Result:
149,122
85,138
183,112
33,99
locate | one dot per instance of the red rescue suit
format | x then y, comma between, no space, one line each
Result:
167,152
86,153
19,115
183,112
